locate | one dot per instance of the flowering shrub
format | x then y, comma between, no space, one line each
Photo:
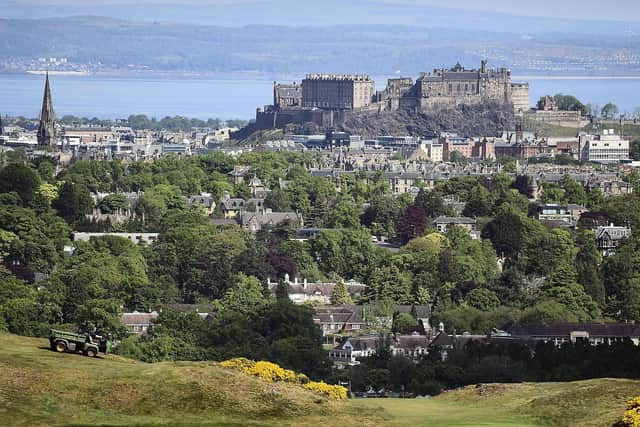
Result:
239,364
333,391
272,372
631,417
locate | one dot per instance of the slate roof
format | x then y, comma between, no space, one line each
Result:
361,343
442,340
614,330
136,318
411,341
615,233
268,217
204,201
344,314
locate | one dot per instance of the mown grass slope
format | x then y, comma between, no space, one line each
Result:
40,387
588,403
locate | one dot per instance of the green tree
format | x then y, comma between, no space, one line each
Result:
482,299
340,294
574,191
621,273
479,203
576,300
570,103
345,215
634,149
388,282
587,264
404,323
73,202
548,312
20,179
112,203
432,202
245,297
278,201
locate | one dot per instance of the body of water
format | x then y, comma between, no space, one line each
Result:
104,97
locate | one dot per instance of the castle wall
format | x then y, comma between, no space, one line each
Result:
271,119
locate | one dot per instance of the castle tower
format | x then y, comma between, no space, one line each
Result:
47,129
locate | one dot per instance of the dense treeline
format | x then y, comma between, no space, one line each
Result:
481,362
544,274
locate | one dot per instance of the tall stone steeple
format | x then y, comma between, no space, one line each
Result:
47,129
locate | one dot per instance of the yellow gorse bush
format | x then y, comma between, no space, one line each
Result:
239,363
273,372
631,417
333,391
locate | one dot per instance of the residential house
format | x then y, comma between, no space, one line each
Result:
339,320
568,214
147,238
255,221
610,237
205,200
316,292
232,207
350,349
364,318
238,173
257,188
443,223
138,323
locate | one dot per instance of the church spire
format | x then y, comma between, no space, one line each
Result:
47,130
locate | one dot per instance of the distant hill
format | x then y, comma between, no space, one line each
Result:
380,50
40,388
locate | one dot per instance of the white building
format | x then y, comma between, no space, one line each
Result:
604,148
147,238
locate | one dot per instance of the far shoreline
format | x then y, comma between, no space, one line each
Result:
254,75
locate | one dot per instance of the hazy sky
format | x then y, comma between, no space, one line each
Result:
623,10
354,11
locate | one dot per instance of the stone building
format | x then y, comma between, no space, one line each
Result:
287,95
461,86
389,98
337,91
520,97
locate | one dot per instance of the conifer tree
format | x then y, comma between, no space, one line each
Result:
340,295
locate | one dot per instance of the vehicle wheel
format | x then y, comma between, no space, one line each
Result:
91,353
60,346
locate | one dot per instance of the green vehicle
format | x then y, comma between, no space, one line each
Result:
62,341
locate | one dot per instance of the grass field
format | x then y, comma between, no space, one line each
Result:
39,387
582,403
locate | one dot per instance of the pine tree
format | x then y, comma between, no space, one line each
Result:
282,291
340,295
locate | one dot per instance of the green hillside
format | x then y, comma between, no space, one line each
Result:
40,387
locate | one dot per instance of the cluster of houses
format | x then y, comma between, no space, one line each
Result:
351,330
117,142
